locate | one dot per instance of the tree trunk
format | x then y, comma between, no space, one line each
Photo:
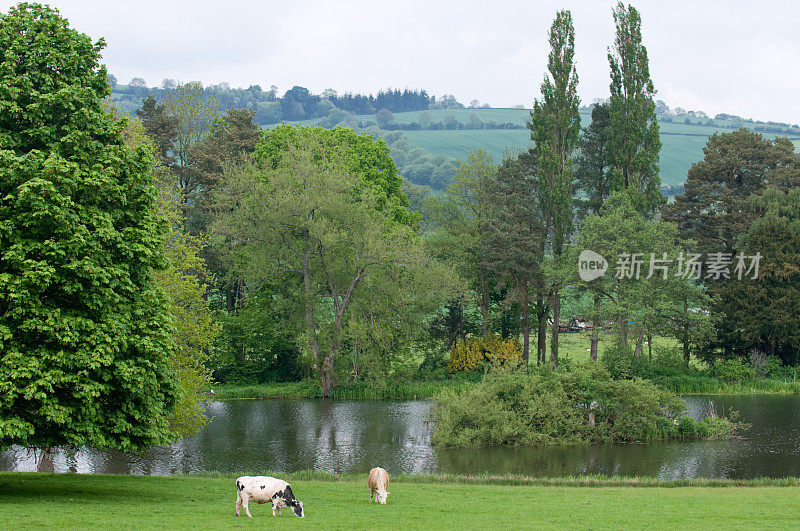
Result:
326,375
45,461
554,334
650,346
526,323
541,334
593,347
623,332
312,331
595,327
484,297
638,350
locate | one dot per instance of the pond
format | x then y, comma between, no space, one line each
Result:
251,436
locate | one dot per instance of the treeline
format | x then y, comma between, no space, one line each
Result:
296,104
393,100
711,270
448,123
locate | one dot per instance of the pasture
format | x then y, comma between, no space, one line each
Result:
30,500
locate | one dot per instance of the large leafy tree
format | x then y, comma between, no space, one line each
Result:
85,338
316,223
633,142
624,294
767,309
555,127
232,140
161,127
715,211
185,281
194,118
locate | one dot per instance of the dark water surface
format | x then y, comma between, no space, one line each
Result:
249,436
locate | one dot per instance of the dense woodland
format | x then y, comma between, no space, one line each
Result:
187,246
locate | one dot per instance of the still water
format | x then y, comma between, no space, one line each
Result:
250,436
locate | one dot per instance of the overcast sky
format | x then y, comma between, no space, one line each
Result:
739,57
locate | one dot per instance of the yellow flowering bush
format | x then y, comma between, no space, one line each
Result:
471,354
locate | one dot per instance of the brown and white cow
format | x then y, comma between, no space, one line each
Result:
378,480
265,489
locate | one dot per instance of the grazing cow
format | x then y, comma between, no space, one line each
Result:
378,480
263,489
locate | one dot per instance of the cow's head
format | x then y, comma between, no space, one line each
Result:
297,509
382,497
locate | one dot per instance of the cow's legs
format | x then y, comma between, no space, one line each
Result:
245,502
371,494
273,508
238,502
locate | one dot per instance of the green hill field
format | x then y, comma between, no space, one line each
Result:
682,144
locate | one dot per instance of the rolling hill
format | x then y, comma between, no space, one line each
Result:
682,144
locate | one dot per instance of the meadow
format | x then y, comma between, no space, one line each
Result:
31,500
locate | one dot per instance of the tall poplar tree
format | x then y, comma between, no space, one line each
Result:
633,141
555,126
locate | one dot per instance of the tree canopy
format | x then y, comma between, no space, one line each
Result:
633,144
364,156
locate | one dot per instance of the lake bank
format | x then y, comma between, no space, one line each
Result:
310,389
72,500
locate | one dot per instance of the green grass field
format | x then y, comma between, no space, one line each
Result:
678,152
682,144
29,500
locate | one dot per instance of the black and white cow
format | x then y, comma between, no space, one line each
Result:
264,489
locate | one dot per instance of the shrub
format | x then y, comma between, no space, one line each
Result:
477,353
668,361
433,367
733,370
549,407
617,361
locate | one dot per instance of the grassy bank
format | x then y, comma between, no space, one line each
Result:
309,389
706,385
348,391
38,500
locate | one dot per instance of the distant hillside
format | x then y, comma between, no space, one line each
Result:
682,144
428,135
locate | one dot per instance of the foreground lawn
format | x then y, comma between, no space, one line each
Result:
38,500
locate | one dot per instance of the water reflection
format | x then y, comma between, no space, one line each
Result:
251,436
